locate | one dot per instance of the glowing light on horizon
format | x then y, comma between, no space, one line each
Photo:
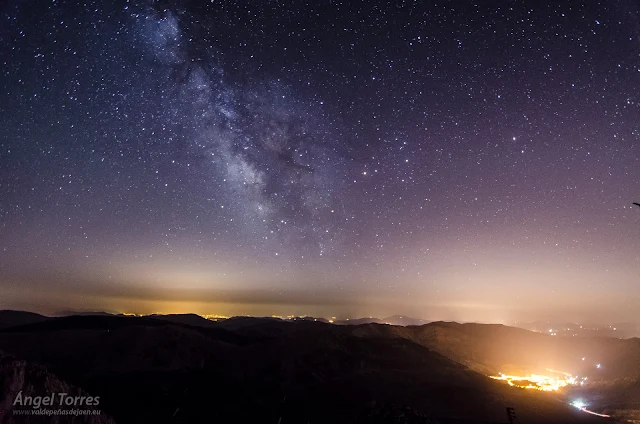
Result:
215,317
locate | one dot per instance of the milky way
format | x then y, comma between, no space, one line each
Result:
276,159
445,160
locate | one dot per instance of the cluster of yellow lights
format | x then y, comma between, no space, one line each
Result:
214,316
537,381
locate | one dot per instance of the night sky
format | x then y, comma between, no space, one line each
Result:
439,159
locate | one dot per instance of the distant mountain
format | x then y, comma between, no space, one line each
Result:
187,319
359,321
260,327
307,318
404,321
83,313
392,320
488,348
617,330
611,365
172,369
10,318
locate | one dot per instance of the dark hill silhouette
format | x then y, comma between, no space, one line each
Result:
83,313
187,319
490,349
84,322
10,318
487,348
360,321
404,321
152,369
265,327
392,320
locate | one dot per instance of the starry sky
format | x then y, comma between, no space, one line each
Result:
475,161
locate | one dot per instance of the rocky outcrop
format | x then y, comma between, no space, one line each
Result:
21,378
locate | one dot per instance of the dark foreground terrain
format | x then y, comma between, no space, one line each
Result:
186,369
